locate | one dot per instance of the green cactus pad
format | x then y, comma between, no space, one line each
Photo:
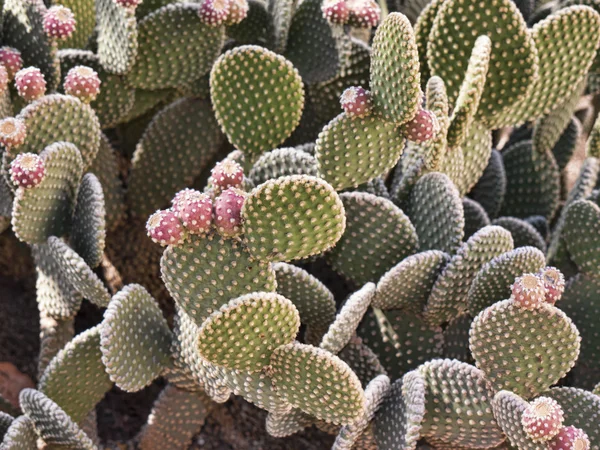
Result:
491,187
436,149
176,417
449,295
351,151
513,60
175,47
423,26
75,379
287,424
254,118
282,162
77,272
343,328
582,235
455,393
55,118
23,29
88,230
409,283
581,409
362,360
188,129
566,145
523,233
46,210
199,286
475,217
577,28
20,435
378,235
135,339
5,421
493,282
106,169
476,149
400,339
508,409
470,92
291,218
533,182
395,76
282,13
54,335
312,299
540,346
117,36
403,182
311,44
318,383
85,18
115,99
436,211
456,339
263,321
257,28
397,424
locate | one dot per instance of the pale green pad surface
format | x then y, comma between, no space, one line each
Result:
117,36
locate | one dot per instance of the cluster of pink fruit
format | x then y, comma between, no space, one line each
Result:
223,12
543,420
532,290
195,212
355,13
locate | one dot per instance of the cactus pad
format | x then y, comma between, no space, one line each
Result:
282,162
581,409
135,339
264,321
582,235
476,149
20,435
390,238
266,116
523,233
508,410
117,36
318,383
292,217
543,345
490,188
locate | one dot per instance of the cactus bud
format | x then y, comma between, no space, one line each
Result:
11,59
570,438
228,211
59,22
227,174
82,82
528,291
238,10
542,419
336,11
12,132
554,282
356,101
27,170
422,127
30,83
194,209
164,228
364,13
214,12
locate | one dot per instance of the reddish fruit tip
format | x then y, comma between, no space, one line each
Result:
27,170
11,59
364,13
528,291
194,209
542,419
356,101
12,132
214,12
422,127
82,82
164,228
336,11
59,22
30,83
554,282
228,211
238,10
570,438
226,174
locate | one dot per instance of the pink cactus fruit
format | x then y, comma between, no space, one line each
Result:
30,83
336,11
3,79
528,291
11,59
194,209
238,11
356,101
364,13
542,419
570,438
164,228
59,22
214,12
82,82
226,174
554,282
27,170
12,132
422,127
228,211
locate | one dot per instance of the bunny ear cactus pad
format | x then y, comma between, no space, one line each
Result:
5,421
491,187
508,410
582,235
75,379
175,47
538,348
117,36
292,218
378,235
318,383
395,76
135,339
455,393
200,286
513,60
20,435
351,151
423,26
262,321
258,98
282,162
46,210
85,19
523,233
476,149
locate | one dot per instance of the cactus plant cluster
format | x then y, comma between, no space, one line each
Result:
357,216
